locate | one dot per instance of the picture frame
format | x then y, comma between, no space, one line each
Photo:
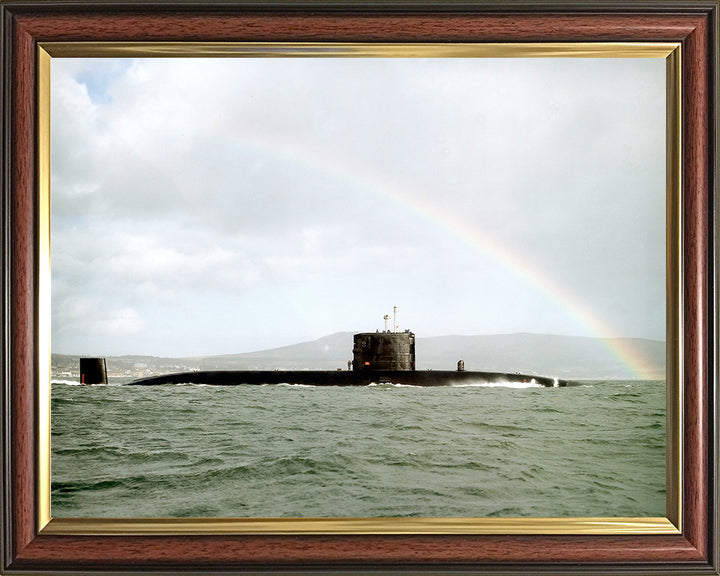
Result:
687,543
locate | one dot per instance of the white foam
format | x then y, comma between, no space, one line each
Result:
199,385
500,384
296,385
394,385
76,383
68,382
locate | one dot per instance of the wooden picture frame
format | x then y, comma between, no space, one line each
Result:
29,547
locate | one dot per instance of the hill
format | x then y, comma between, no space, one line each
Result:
569,357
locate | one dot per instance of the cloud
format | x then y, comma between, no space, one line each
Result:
298,186
89,315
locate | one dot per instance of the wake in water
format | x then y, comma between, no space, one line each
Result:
500,384
113,382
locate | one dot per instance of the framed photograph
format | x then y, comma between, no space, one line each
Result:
475,243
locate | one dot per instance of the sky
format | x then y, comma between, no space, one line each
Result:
217,206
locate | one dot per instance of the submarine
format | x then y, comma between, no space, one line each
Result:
386,357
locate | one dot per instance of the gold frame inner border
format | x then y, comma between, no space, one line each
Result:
671,524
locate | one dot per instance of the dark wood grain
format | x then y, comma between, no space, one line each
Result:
361,28
693,25
360,550
695,211
22,260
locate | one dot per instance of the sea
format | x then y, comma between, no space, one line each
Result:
478,450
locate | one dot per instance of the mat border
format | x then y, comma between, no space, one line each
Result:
28,24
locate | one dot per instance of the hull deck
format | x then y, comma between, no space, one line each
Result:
345,378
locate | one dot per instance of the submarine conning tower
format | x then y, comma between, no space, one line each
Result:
374,351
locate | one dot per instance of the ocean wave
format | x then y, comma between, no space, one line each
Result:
91,450
285,467
392,385
499,384
294,385
71,487
78,383
361,452
196,384
131,456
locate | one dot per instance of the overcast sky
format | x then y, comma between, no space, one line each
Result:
217,206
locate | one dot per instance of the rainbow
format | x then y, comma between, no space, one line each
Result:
370,180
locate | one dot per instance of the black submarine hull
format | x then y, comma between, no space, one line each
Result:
347,378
